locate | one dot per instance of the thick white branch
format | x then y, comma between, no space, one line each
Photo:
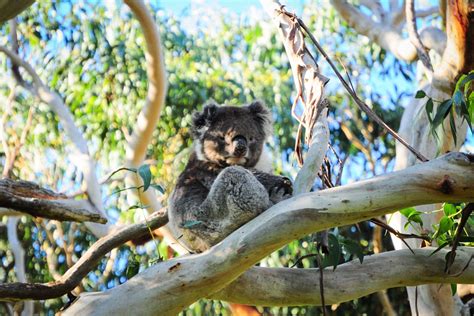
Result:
168,287
388,36
157,85
289,287
314,157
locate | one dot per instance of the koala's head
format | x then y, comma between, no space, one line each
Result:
229,135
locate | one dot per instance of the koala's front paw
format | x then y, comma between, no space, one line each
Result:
281,190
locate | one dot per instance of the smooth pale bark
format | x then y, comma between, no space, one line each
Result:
150,114
290,287
168,287
457,59
388,35
19,255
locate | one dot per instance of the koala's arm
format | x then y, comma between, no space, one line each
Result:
278,187
235,197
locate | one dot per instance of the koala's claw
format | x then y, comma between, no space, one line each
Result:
281,191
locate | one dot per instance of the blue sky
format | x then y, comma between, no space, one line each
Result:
237,6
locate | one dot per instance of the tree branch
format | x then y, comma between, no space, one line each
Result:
168,287
414,36
289,287
81,158
386,35
151,112
39,291
29,198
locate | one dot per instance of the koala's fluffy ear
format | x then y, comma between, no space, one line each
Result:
203,119
262,115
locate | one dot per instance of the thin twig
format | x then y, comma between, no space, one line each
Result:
401,236
414,36
364,107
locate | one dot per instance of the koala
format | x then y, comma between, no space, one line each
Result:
221,188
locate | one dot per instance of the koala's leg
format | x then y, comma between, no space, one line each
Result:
236,197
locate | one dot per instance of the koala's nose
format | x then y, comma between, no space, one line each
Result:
240,145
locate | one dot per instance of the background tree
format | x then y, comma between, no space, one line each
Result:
91,56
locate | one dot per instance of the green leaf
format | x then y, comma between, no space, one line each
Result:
465,79
354,248
440,247
334,255
449,209
158,187
445,224
407,211
189,224
429,109
454,288
420,94
441,113
452,124
145,174
458,97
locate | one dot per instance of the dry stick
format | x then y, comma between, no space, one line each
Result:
364,107
414,36
401,236
41,291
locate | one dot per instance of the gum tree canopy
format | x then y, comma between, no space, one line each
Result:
94,129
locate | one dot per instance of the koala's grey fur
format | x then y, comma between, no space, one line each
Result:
220,189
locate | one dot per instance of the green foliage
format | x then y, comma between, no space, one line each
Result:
461,105
93,56
413,216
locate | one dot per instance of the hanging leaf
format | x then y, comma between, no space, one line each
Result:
429,109
452,124
158,187
454,288
441,113
334,255
145,173
354,248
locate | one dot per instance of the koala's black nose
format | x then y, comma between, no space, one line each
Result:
240,145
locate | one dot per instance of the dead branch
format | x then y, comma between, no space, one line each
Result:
87,262
28,197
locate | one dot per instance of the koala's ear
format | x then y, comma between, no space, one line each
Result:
203,119
262,115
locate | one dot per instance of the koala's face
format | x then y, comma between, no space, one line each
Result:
228,135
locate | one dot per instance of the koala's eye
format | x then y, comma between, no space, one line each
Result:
251,139
221,137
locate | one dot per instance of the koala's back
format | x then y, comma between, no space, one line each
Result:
191,190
